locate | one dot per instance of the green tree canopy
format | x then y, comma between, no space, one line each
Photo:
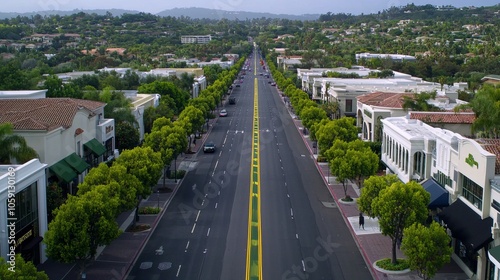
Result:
81,225
145,164
426,248
341,129
371,189
398,207
121,184
22,270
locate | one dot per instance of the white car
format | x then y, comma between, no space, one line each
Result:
223,113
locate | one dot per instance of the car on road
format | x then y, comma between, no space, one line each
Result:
209,147
273,84
232,100
223,113
237,85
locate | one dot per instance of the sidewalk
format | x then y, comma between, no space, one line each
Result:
372,244
114,261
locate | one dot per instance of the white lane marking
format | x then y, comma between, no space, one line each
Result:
203,202
220,153
187,246
216,205
208,233
192,230
216,163
225,138
291,212
218,193
197,216
287,195
222,182
178,270
297,235
303,266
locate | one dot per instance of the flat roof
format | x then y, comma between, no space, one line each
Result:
414,128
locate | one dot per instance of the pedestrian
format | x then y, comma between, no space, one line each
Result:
361,221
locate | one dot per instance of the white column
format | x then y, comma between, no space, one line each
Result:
4,232
42,213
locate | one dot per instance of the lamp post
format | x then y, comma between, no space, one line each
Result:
328,178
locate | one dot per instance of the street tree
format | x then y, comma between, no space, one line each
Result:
14,147
311,115
21,270
126,136
342,129
80,226
371,189
398,207
426,248
351,161
120,183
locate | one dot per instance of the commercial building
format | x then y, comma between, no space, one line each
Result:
373,107
69,135
23,202
457,171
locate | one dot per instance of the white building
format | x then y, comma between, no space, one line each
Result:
196,39
27,182
25,94
464,171
69,135
395,57
373,107
346,91
140,102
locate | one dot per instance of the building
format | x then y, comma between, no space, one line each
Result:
196,39
394,57
140,102
373,107
27,183
69,135
346,91
25,94
466,173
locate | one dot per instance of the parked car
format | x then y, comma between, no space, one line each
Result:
273,84
232,100
209,147
223,113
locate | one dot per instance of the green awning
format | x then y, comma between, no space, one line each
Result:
62,170
97,148
77,163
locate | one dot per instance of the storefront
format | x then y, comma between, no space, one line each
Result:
28,182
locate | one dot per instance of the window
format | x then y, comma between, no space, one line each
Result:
26,207
348,105
472,192
109,148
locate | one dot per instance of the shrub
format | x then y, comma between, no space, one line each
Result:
149,210
179,174
387,264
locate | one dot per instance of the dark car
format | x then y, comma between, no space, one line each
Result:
209,147
232,100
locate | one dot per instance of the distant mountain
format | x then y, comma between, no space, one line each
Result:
177,12
115,12
230,15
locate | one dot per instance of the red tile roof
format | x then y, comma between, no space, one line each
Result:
492,146
444,117
44,114
384,99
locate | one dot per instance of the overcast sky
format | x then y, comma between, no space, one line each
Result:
294,7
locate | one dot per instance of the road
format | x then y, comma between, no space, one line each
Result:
204,232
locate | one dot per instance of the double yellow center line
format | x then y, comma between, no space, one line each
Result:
254,248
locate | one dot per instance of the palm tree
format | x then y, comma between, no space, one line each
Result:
14,147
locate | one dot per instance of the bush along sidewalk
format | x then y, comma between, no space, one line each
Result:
179,174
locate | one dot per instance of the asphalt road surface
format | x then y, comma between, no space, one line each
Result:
203,234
